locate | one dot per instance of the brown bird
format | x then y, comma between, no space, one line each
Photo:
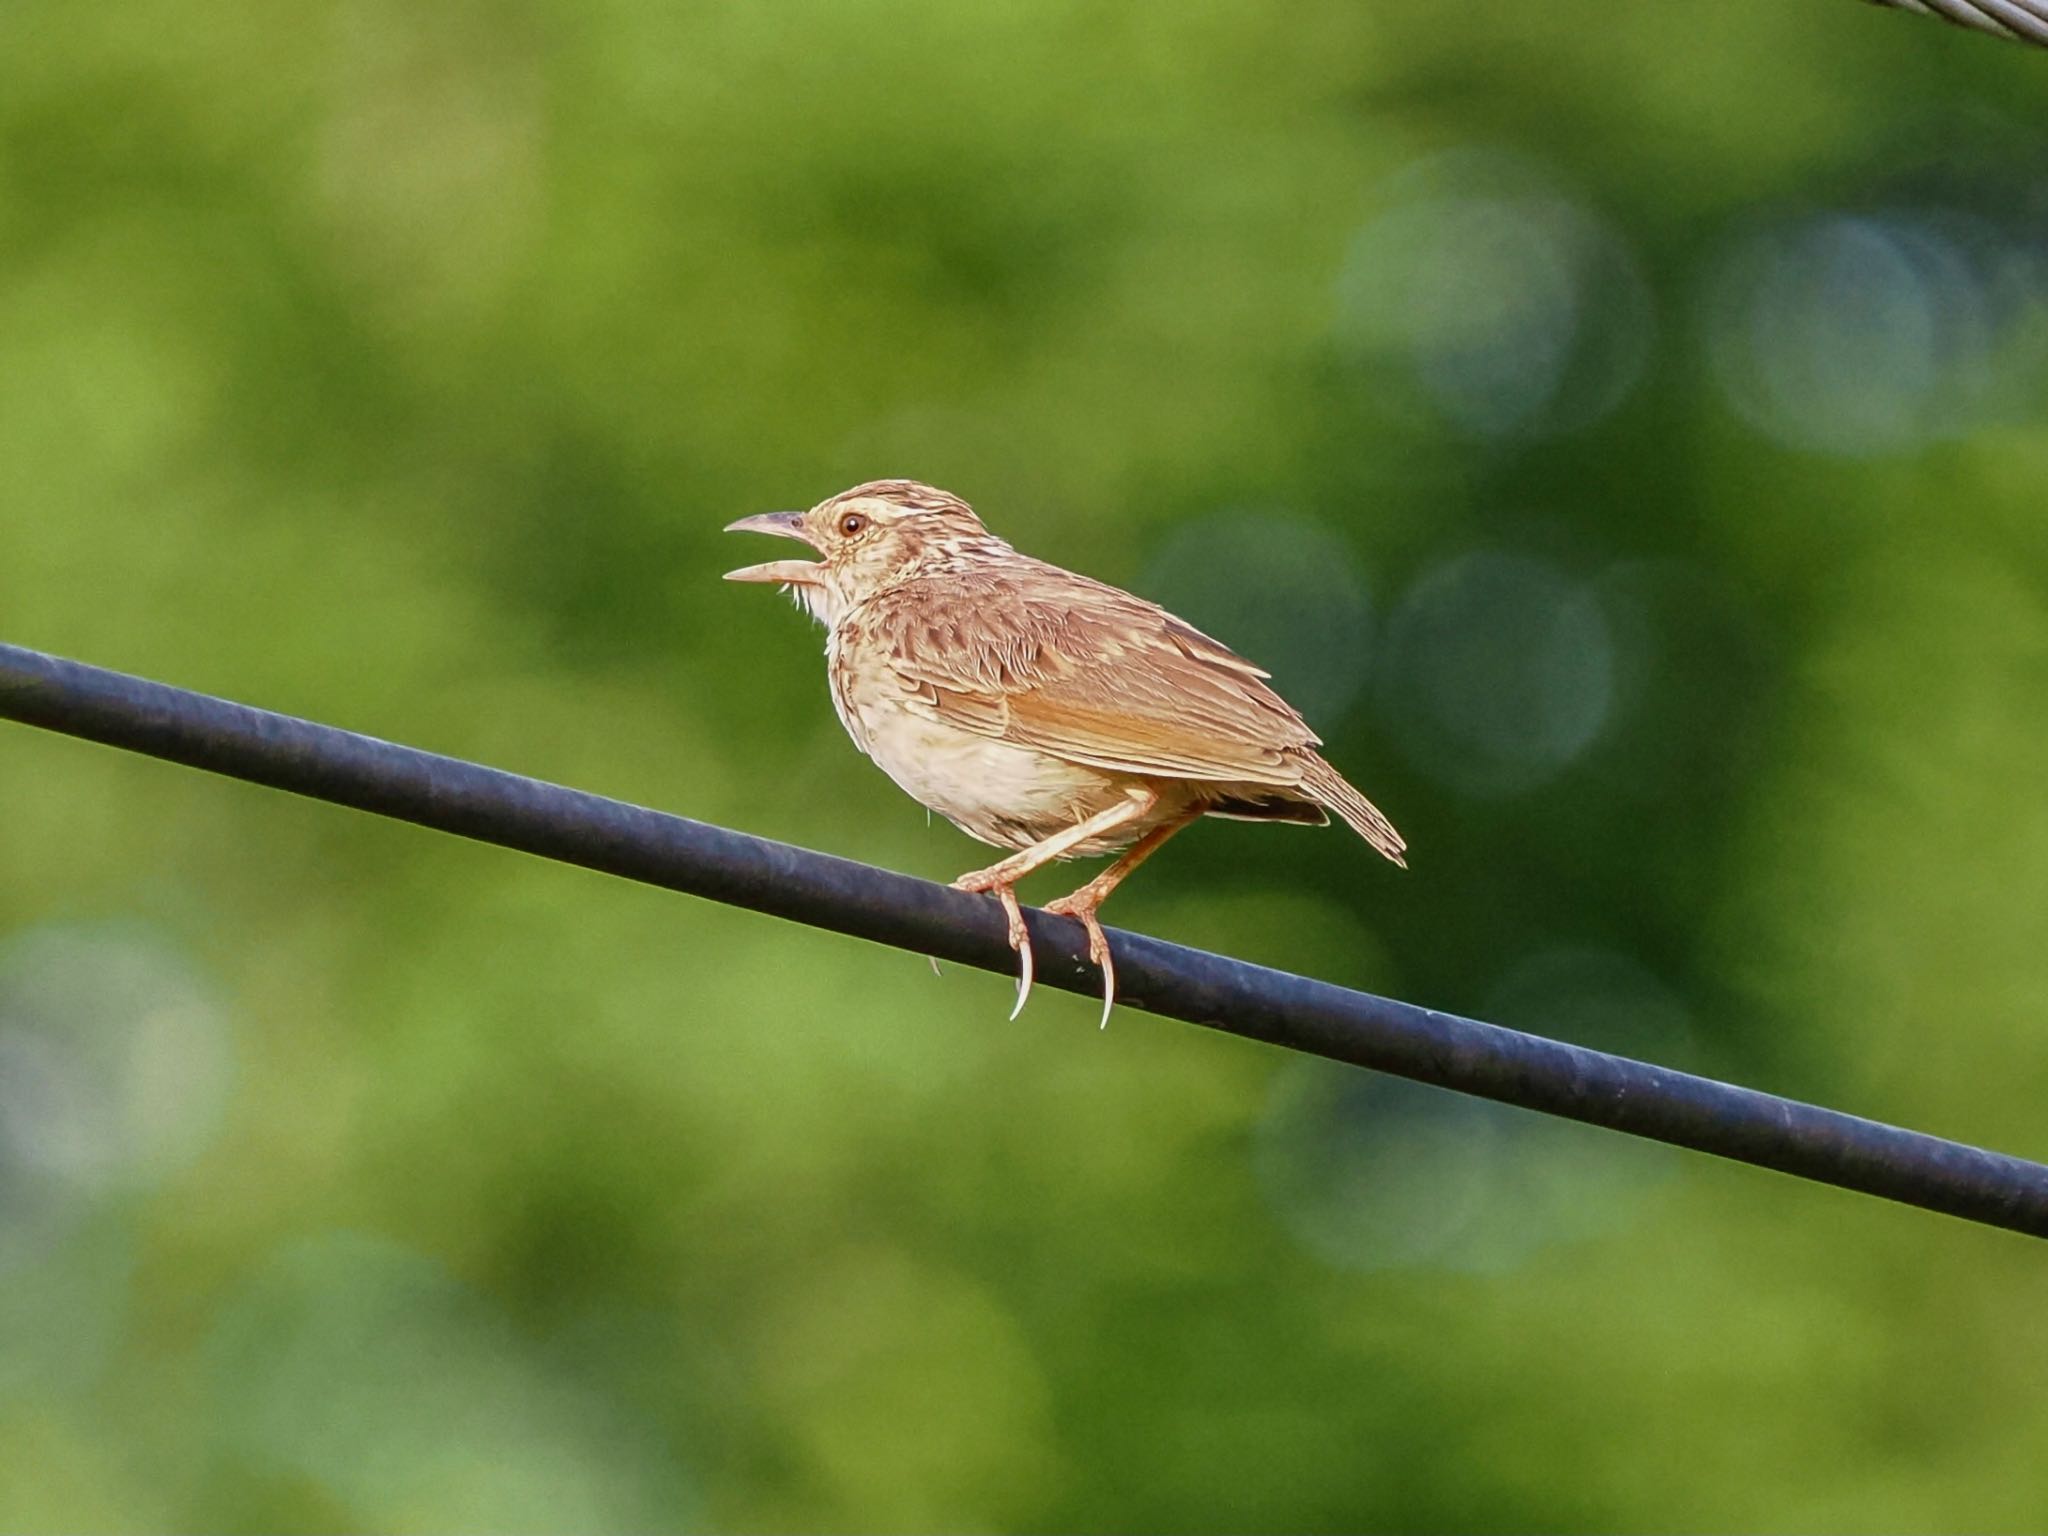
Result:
1040,710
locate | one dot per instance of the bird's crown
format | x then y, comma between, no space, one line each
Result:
888,529
872,537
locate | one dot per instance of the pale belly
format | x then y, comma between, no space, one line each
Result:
1003,794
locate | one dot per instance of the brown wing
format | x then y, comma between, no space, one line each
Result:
1048,659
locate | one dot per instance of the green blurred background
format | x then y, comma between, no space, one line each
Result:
1619,425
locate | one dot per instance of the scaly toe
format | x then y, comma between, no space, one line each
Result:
980,882
1082,911
1020,941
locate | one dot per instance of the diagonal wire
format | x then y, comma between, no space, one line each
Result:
2024,20
1295,1012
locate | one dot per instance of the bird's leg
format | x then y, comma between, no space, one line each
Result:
1001,879
1084,903
1018,865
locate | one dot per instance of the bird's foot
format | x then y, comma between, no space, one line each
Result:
1081,906
986,882
979,882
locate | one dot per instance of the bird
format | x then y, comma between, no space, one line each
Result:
1037,709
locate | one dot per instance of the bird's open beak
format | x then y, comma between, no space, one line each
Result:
785,525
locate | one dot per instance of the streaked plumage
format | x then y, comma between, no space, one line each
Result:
1037,709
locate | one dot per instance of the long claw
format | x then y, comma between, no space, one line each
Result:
1098,951
1081,909
1020,941
990,882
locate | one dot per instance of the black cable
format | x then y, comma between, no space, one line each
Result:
1291,1011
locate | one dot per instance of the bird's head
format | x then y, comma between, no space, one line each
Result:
870,538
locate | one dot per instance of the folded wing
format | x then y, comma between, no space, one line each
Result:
1051,660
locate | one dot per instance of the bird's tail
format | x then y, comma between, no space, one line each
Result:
1329,789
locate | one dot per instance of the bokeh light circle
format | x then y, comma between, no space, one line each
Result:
1520,312
1370,1172
114,1066
1499,672
1856,334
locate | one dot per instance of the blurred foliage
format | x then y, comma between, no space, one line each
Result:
1622,428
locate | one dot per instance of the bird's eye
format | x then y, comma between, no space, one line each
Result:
851,524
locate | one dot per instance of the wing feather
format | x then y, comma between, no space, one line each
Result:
1044,658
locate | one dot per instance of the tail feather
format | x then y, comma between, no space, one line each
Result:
1328,788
